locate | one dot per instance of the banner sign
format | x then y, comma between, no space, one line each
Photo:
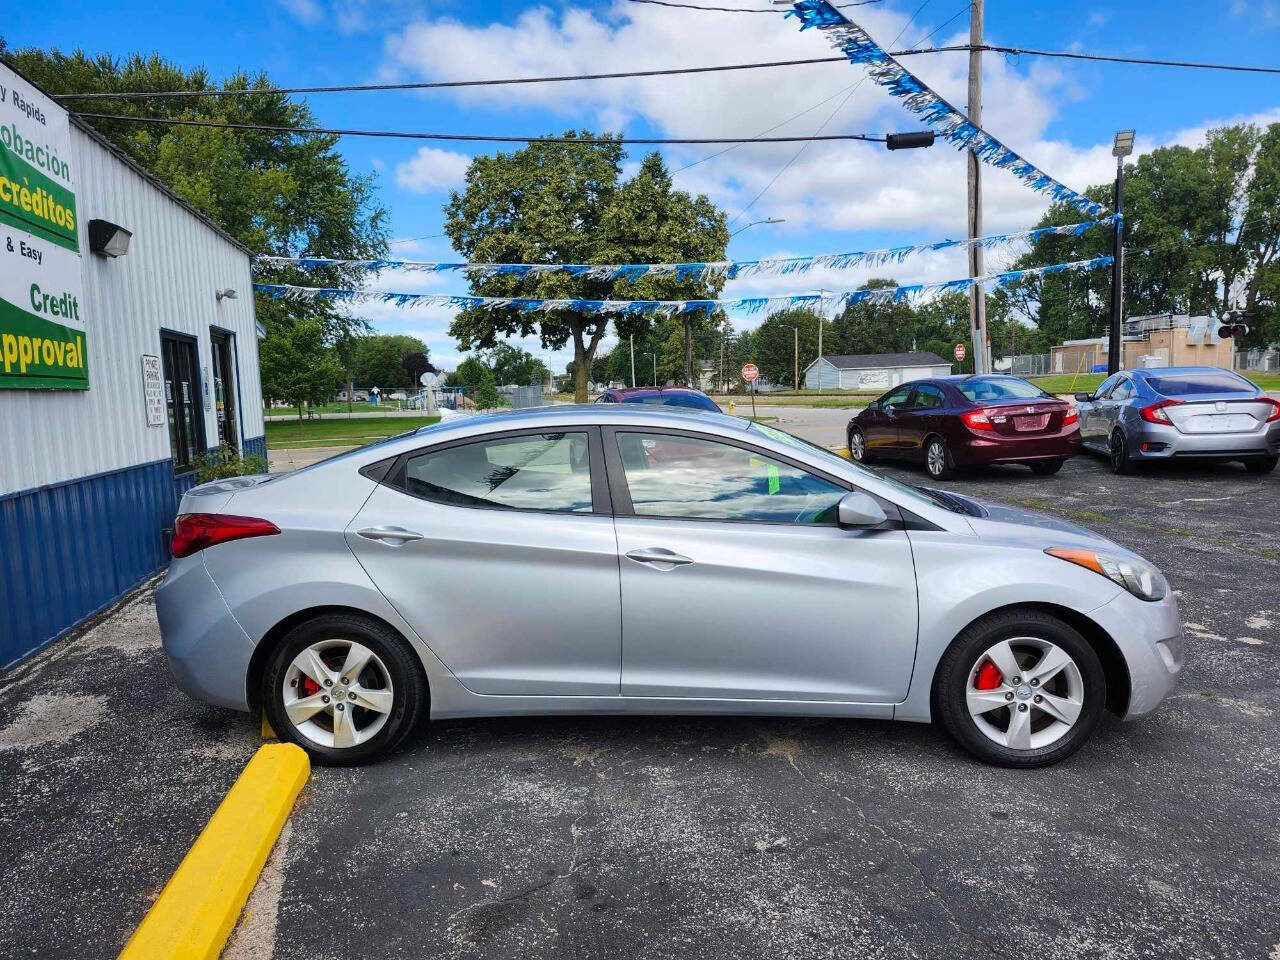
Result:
913,293
42,318
727,269
948,122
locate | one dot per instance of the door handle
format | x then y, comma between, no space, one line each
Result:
392,536
659,557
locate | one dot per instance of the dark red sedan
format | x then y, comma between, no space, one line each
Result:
951,422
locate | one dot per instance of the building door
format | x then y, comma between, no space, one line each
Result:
225,387
182,396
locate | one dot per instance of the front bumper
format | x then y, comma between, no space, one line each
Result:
1149,636
208,651
1167,442
979,449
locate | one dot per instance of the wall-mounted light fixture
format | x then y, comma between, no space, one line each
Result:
227,294
108,239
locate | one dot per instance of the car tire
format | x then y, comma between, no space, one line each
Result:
858,454
1262,464
937,459
1080,683
373,711
1045,468
1118,455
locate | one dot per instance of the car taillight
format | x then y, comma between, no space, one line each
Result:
1154,413
1070,417
977,420
1275,414
194,531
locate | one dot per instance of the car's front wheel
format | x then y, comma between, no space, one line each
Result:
343,687
1020,689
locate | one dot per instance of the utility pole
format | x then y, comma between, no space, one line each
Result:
796,331
977,295
1122,147
821,293
633,359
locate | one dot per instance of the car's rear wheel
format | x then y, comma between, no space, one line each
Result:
343,687
1262,464
858,446
937,459
1118,449
1045,468
1020,689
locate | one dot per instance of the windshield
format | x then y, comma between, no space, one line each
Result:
1190,384
986,389
915,493
693,400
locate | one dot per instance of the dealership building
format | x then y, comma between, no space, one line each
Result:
128,349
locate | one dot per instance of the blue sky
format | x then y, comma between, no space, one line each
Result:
838,197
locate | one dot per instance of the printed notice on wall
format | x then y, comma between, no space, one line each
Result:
153,390
42,318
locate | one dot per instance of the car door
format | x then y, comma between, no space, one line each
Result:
918,419
499,551
1111,410
1091,412
738,584
881,430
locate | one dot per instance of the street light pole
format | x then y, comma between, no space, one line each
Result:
977,295
633,359
1122,148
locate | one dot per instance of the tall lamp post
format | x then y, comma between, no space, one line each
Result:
1123,147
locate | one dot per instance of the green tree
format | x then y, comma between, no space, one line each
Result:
775,344
563,202
378,360
515,365
301,369
282,194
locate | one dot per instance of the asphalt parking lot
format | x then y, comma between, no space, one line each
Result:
699,837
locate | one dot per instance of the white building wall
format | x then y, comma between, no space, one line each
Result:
167,280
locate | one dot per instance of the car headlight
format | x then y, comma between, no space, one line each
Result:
1137,576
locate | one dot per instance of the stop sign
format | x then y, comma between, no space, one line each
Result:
959,353
750,372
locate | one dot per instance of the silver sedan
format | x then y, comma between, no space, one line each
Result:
1167,413
614,559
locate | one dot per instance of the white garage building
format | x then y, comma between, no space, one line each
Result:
873,371
128,349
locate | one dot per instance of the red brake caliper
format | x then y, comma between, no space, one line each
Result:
309,686
989,676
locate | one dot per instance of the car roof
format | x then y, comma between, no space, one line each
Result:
656,391
589,414
1166,371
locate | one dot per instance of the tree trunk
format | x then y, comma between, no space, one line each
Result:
351,395
581,369
299,418
688,353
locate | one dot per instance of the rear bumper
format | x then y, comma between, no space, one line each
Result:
1149,636
974,449
1167,443
207,649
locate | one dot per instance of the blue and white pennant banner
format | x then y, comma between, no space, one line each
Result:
948,122
726,269
913,293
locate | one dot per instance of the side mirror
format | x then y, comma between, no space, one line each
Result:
1084,397
858,510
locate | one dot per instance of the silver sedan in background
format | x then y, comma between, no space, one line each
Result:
1203,413
614,558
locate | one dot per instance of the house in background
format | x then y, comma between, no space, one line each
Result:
1157,341
873,371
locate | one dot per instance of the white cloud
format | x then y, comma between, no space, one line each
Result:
432,169
309,12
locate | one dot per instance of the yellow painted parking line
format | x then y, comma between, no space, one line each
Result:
841,452
199,905
265,730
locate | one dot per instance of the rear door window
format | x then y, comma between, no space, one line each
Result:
927,397
545,471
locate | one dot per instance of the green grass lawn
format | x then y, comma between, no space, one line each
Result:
325,433
1088,382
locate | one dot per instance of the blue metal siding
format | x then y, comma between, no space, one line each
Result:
71,549
256,446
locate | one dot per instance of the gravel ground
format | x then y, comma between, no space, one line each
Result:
703,837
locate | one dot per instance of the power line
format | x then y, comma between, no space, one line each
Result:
942,26
668,72
690,6
472,137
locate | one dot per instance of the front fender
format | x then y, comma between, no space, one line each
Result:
961,581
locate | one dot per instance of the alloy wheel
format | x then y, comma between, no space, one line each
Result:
936,459
337,693
1025,693
857,445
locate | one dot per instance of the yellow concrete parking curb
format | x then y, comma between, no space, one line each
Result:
199,905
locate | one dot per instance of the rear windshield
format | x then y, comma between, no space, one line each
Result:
676,400
1190,384
983,389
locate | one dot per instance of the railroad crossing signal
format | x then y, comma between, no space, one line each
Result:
1234,325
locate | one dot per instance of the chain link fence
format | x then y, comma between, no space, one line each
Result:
1029,365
